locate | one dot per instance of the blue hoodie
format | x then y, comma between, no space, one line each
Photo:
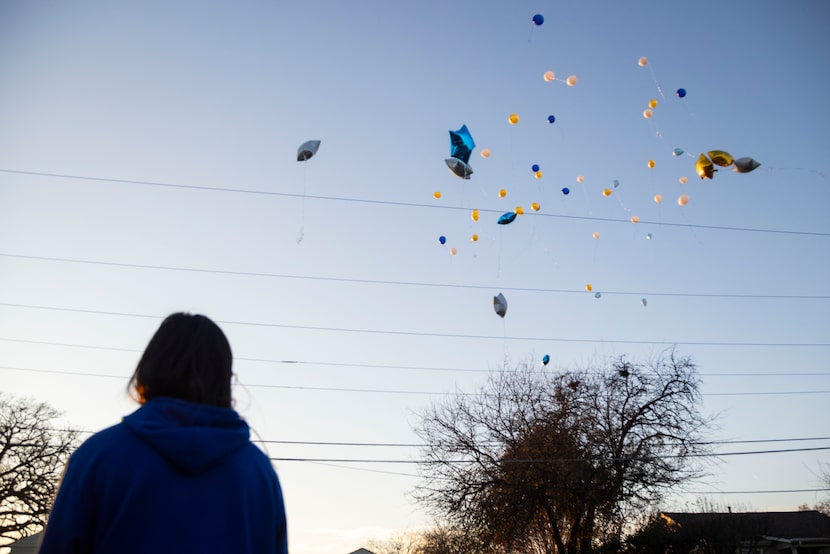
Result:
172,477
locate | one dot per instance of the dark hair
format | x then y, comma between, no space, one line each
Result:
188,358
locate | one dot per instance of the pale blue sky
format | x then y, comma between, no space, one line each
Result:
143,107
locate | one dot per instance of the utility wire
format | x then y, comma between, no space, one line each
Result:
392,203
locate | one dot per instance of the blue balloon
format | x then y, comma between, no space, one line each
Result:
461,144
616,183
677,152
681,92
442,239
507,218
534,168
551,119
545,359
566,190
538,19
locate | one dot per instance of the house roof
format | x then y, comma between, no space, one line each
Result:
362,551
790,525
26,545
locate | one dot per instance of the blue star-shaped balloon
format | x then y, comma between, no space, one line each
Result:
461,146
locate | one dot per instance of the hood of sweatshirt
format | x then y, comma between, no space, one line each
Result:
191,437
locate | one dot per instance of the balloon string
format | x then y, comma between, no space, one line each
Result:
656,82
301,234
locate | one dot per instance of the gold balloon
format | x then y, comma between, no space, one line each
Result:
549,76
683,180
607,192
652,103
635,219
513,119
642,62
658,198
704,167
519,210
721,158
535,206
580,178
485,153
436,194
683,199
474,238
571,80
502,193
651,164
647,113
538,174
589,287
596,234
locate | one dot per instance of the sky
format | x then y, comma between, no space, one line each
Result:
148,166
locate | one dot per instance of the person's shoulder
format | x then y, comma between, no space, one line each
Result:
104,439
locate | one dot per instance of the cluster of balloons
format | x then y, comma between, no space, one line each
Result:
705,166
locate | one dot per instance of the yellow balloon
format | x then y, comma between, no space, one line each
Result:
535,206
596,234
485,153
658,198
704,167
474,238
721,158
571,80
652,103
683,180
651,164
683,199
436,194
635,219
519,210
513,119
549,76
589,287
475,215
647,113
607,192
538,174
580,178
642,62
502,193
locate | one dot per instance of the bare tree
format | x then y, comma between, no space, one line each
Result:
32,455
552,463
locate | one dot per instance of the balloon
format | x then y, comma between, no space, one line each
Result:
616,183
642,62
607,192
677,152
535,206
474,215
571,80
551,119
545,359
538,19
681,93
502,193
461,146
589,287
658,198
519,210
597,295
513,119
721,158
596,234
538,174
507,218
648,236
474,238
500,305
683,199
453,251
704,167
534,167
651,164
436,194
442,239
549,76
644,302
683,180
307,149
745,165
652,103
647,113
566,191
635,219
580,179
485,153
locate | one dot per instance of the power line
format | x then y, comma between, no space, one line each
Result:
408,283
310,363
433,335
392,203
